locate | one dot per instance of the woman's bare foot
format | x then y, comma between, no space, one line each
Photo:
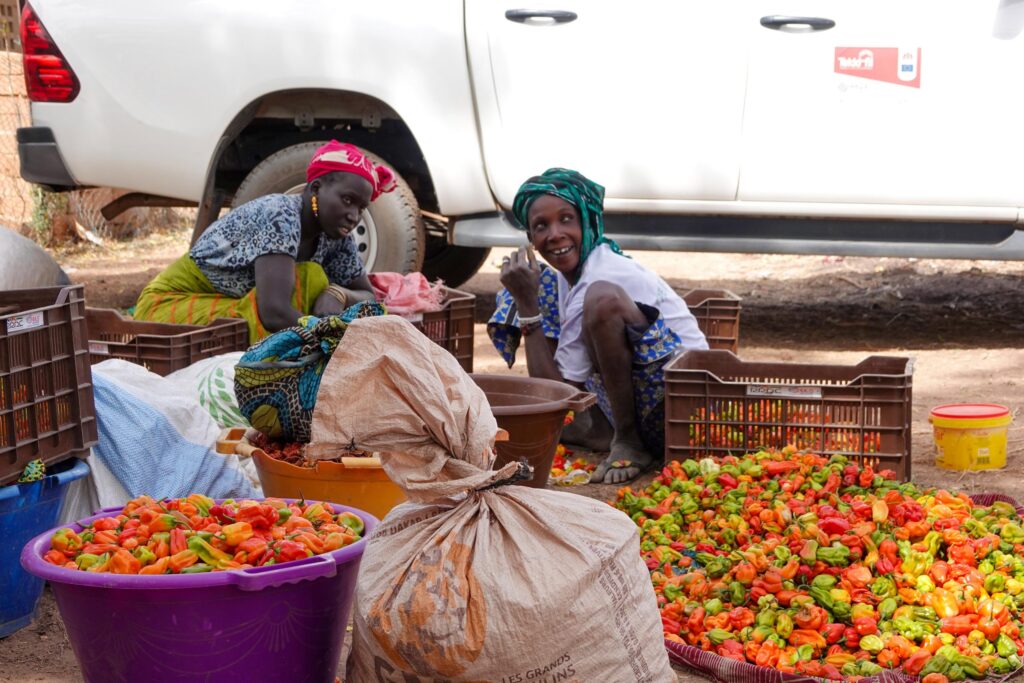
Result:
589,431
626,462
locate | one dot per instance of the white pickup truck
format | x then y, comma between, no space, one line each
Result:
874,127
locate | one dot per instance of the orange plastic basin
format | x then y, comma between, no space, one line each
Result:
366,487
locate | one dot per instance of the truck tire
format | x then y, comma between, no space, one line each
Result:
452,264
391,236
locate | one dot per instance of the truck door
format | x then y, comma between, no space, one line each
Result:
874,102
644,97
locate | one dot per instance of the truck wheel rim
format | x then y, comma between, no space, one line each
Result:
365,233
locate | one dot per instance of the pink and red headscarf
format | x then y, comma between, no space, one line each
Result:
337,157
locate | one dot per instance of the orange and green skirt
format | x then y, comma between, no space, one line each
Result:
182,294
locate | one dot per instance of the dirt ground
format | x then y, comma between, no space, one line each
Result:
962,323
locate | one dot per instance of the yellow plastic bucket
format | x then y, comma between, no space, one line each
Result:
970,436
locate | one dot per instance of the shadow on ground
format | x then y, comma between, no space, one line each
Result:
857,311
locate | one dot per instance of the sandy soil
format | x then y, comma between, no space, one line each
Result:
961,322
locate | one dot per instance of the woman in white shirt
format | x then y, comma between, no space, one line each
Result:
595,318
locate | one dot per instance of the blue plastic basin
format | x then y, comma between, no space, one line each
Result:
27,510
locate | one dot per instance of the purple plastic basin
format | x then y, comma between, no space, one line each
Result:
278,623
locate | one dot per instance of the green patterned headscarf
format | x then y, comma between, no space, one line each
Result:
586,195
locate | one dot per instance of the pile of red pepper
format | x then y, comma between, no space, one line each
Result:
742,424
819,566
563,464
196,534
287,451
293,452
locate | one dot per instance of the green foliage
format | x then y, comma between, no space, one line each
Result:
45,206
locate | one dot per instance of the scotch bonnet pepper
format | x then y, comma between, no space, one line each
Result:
193,534
829,561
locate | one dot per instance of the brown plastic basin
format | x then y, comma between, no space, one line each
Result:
532,411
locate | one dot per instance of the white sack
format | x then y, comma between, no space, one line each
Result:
475,582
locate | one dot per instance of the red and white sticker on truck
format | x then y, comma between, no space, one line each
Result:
898,65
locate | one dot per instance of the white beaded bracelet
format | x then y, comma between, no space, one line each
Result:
529,320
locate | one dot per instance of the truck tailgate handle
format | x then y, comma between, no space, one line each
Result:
779,22
556,16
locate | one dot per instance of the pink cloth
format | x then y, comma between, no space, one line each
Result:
407,294
337,157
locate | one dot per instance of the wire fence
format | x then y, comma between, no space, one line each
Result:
9,17
16,201
50,217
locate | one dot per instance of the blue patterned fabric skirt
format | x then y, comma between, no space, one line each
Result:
654,345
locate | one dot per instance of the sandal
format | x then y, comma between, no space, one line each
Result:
626,464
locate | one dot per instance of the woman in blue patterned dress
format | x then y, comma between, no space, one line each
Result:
278,257
594,318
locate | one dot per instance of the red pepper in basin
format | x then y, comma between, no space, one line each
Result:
279,532
179,618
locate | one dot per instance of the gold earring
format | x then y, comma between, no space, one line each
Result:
312,201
